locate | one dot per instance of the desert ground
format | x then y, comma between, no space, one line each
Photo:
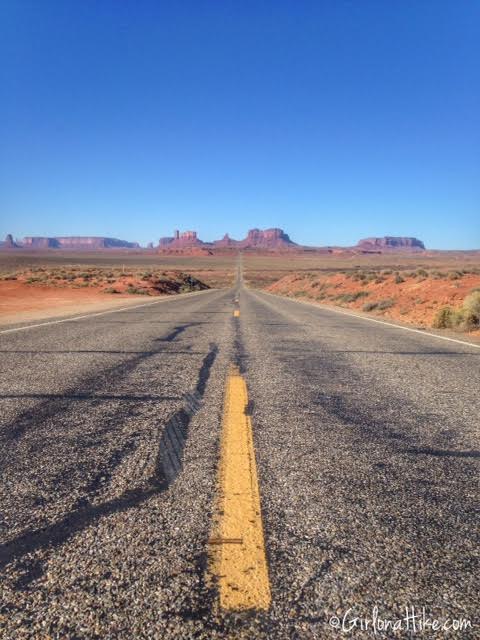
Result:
427,290
36,285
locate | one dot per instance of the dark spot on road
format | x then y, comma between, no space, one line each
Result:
443,453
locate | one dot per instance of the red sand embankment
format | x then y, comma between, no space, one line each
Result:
406,298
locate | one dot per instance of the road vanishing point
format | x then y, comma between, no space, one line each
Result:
232,464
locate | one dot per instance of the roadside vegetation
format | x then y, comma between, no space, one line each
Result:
436,298
151,282
466,318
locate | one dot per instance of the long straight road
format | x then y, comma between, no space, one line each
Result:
366,443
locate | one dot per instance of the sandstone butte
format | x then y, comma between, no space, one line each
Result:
391,243
188,242
76,242
277,240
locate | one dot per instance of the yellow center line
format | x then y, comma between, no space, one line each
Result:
236,313
238,560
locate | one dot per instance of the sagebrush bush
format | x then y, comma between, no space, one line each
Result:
466,318
381,305
137,290
351,297
443,318
385,304
455,275
471,304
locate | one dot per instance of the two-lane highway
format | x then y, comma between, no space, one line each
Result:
366,444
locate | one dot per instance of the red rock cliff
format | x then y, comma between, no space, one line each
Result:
389,243
77,242
267,239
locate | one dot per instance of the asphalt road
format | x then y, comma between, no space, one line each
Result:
366,440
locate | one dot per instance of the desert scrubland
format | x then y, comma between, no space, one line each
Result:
35,285
438,290
428,289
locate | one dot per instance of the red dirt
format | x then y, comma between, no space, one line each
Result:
21,302
42,293
416,300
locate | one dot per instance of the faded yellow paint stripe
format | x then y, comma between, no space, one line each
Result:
236,313
238,561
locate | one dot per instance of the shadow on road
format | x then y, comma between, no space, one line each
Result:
85,513
443,453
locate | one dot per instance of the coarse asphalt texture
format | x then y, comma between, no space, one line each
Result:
366,440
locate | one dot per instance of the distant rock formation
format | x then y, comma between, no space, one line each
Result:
9,242
181,240
258,238
267,239
226,241
188,243
390,243
37,242
77,242
165,242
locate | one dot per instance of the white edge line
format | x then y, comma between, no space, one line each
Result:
102,313
356,315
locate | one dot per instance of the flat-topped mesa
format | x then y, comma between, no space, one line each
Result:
267,239
180,240
390,243
77,242
39,242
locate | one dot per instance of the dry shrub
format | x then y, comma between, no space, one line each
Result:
443,318
471,304
466,318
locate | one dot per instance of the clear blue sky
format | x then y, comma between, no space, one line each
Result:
333,119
